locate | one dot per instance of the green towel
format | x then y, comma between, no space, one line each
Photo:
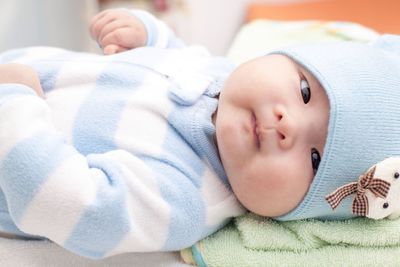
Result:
253,241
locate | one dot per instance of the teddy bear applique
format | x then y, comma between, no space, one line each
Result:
377,192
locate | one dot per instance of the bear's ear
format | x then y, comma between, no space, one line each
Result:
388,42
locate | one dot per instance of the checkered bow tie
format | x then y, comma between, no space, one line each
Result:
378,187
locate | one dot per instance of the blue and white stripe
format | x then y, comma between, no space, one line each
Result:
119,157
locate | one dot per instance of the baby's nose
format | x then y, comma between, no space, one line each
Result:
286,127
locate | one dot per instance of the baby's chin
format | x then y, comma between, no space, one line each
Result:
272,206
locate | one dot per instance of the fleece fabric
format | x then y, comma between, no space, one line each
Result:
251,241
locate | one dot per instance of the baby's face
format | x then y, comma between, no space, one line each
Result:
271,127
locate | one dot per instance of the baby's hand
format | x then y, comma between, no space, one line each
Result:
22,74
117,30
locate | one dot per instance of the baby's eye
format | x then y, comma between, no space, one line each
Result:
305,91
315,159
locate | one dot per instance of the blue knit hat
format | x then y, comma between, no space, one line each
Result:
362,82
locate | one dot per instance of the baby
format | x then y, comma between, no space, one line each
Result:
158,145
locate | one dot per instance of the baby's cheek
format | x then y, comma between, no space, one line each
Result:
264,180
273,186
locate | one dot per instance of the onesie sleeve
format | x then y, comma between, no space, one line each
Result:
158,33
95,205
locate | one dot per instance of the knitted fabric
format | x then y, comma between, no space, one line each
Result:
362,82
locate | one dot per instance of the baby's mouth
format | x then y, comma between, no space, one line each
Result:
256,132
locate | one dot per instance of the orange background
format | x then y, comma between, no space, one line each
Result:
382,16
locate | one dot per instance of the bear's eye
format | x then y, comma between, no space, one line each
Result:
396,175
385,205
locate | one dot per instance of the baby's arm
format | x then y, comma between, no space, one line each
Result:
21,74
118,30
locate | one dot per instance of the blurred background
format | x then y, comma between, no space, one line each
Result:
212,23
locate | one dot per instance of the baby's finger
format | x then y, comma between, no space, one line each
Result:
100,23
113,49
123,37
110,27
94,20
98,16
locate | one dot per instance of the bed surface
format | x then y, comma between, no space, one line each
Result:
44,253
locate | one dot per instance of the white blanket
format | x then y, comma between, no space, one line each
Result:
44,253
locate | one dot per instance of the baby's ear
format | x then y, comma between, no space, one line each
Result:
388,42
